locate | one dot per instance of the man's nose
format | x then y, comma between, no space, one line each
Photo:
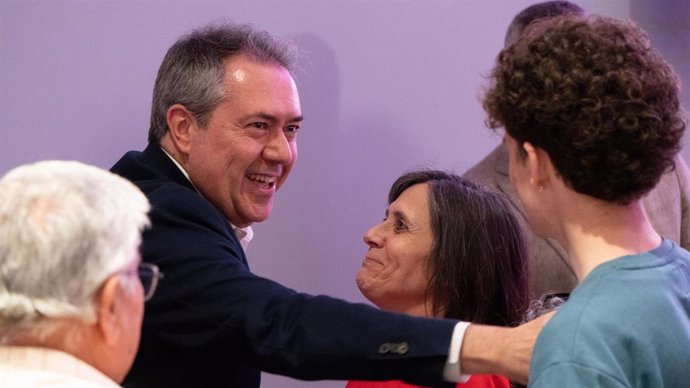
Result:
278,149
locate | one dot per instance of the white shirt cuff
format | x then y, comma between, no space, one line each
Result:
451,372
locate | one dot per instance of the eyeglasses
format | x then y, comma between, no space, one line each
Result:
149,275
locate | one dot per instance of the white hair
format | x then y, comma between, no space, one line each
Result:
65,227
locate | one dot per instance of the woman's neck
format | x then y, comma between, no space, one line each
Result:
423,309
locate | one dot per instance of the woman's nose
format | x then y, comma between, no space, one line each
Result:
372,238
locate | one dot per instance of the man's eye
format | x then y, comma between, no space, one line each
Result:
292,128
259,125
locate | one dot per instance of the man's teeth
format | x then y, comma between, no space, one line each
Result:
266,180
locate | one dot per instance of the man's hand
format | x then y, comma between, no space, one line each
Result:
501,350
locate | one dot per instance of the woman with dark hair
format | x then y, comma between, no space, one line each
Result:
592,120
446,248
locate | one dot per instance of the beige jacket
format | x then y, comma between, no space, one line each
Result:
667,205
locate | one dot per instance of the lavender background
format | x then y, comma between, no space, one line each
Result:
386,86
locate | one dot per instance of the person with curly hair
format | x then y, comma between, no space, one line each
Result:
667,204
592,121
447,248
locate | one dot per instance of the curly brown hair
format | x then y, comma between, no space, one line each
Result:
591,93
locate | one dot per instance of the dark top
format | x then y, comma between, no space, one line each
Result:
212,323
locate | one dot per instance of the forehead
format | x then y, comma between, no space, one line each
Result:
244,71
413,201
251,87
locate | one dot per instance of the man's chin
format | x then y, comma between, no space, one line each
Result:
247,218
257,217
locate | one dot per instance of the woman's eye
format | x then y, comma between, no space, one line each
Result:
400,226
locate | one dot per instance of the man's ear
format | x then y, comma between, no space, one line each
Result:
539,165
181,121
107,324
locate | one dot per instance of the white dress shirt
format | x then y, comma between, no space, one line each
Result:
245,235
29,367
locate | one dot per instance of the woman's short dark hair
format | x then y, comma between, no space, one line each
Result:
592,93
478,267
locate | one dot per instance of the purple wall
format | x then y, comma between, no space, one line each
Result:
386,86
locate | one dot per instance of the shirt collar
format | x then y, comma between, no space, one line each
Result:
184,172
31,366
244,235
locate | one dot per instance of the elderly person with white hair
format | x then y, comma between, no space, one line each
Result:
71,283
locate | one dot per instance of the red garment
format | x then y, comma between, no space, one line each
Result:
475,381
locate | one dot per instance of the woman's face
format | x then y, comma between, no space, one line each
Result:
393,275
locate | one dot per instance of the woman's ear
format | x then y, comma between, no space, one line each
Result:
181,122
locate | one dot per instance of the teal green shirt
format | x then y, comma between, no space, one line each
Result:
626,325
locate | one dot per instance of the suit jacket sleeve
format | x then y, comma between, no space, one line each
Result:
210,306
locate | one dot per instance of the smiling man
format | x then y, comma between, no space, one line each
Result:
223,139
247,148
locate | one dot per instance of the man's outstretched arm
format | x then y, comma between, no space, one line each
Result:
501,350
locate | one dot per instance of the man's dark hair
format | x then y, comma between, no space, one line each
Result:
547,9
193,70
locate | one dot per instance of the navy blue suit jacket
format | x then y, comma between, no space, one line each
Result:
212,323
